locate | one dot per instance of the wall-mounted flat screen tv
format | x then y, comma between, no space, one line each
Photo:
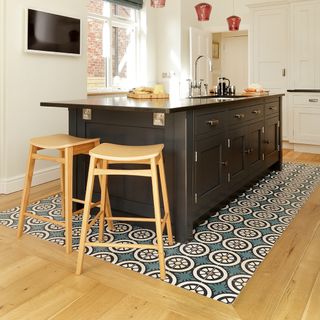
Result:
52,33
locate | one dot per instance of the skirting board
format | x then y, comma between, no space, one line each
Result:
299,147
41,176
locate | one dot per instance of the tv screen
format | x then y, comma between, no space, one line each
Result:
52,33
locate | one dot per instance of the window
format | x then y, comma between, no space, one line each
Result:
112,45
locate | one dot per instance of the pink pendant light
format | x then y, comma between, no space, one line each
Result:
203,11
158,3
233,21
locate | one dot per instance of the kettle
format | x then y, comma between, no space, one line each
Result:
223,86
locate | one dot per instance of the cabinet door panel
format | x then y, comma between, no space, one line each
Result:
209,176
271,137
236,155
269,51
306,125
254,145
305,39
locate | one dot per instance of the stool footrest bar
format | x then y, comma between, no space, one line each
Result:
94,220
119,172
49,158
121,245
130,219
44,219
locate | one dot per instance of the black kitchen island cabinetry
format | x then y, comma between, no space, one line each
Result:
213,148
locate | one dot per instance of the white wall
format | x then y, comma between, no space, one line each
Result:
30,79
172,53
2,114
147,64
172,24
167,41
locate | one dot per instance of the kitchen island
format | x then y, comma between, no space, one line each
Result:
214,147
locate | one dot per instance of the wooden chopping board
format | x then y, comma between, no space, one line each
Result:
255,94
148,95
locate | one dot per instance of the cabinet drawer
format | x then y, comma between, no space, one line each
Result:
306,100
272,108
213,122
240,115
255,112
237,116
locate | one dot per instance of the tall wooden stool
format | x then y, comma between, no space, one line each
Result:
108,154
68,146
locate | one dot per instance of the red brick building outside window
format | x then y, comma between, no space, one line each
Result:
112,43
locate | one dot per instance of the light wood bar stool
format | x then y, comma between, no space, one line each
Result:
68,146
110,154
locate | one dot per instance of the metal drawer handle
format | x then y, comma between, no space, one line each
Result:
256,111
267,141
224,163
272,108
313,100
239,116
248,151
283,72
213,122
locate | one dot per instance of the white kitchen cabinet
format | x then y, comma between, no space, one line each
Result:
305,113
285,54
305,45
269,47
269,42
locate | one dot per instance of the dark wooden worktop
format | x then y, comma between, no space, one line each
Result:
122,103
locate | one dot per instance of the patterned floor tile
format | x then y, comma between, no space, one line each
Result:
226,249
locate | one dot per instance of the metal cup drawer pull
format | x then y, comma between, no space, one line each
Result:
272,108
313,100
224,163
256,111
213,122
239,116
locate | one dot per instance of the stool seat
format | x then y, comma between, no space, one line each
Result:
122,153
60,141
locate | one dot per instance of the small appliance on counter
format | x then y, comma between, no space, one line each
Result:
223,88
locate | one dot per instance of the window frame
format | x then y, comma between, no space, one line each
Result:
112,20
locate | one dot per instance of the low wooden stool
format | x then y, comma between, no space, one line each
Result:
115,154
68,146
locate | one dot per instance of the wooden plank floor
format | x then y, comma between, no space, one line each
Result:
37,278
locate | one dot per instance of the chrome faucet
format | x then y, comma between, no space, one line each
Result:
196,66
197,84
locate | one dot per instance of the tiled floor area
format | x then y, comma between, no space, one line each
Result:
226,249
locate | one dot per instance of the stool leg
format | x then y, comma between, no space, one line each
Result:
62,179
26,189
108,205
86,214
68,152
165,200
157,214
103,181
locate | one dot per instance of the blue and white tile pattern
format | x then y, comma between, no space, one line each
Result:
226,249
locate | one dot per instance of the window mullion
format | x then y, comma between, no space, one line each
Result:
109,59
